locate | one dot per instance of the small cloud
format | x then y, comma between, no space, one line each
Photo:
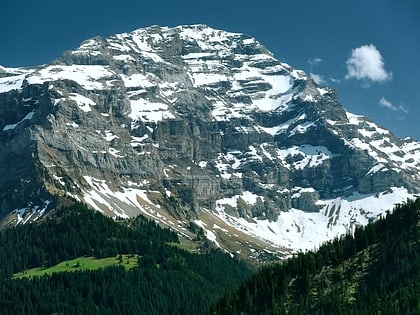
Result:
387,104
334,80
366,63
314,61
403,108
318,78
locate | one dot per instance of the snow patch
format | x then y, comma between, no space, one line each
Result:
138,80
13,126
247,196
88,76
82,102
301,231
109,136
149,111
11,83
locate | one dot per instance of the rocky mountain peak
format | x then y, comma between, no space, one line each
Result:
192,125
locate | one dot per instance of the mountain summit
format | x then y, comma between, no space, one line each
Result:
193,126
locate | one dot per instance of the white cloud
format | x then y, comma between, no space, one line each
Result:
366,63
318,78
314,61
385,103
403,108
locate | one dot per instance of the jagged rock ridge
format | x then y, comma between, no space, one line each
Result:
192,124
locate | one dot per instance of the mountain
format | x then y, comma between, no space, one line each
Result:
376,272
196,128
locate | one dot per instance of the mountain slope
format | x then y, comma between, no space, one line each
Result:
166,280
377,272
196,125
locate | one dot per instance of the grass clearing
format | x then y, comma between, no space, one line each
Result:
81,264
186,244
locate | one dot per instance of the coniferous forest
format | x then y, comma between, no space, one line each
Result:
167,280
374,271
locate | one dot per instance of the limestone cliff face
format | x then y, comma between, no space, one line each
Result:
192,124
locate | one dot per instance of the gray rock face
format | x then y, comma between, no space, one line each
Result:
188,123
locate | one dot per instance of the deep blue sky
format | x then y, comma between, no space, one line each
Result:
316,36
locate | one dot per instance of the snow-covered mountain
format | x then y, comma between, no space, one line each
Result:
192,125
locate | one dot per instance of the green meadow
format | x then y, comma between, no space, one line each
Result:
80,264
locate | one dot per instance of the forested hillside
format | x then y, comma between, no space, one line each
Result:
166,280
376,272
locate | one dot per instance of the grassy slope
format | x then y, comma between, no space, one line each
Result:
81,263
